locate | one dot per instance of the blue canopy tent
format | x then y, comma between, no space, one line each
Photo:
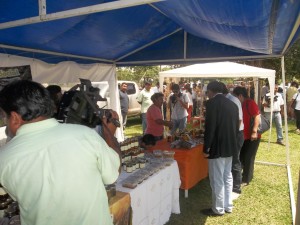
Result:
140,32
146,32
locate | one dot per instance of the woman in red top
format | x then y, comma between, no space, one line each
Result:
251,137
155,122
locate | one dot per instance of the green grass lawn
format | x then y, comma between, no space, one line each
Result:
265,201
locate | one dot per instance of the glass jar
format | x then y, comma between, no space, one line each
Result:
129,168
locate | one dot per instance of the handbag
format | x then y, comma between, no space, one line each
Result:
293,105
264,123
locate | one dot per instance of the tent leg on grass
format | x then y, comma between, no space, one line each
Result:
270,163
293,205
289,175
292,197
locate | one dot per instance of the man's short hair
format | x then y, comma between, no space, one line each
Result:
240,91
224,88
295,84
175,87
215,87
27,98
157,95
54,89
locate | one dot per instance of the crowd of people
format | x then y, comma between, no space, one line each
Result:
233,144
231,139
60,176
292,104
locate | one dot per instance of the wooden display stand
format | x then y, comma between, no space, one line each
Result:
120,208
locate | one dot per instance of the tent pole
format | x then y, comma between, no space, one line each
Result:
292,198
270,163
298,204
256,87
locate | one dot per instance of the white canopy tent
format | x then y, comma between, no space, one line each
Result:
70,72
224,70
231,70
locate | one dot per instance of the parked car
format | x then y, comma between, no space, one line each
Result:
132,91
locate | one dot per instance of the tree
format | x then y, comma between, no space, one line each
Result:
137,73
291,61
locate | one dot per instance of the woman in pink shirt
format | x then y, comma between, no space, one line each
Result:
155,122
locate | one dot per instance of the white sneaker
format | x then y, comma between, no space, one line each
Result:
235,195
298,131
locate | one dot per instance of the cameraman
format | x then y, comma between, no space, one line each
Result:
55,171
277,112
179,103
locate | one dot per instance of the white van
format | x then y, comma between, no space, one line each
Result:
132,91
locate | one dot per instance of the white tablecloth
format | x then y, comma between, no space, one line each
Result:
156,198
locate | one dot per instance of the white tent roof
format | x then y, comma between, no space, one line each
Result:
220,70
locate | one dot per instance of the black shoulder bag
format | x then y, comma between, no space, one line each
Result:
293,105
264,123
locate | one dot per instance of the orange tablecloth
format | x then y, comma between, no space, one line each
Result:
193,167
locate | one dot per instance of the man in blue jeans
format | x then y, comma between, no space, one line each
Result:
221,131
236,163
276,113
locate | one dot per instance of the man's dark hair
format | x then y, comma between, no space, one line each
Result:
155,96
175,87
215,87
54,90
224,88
295,84
149,139
27,98
240,91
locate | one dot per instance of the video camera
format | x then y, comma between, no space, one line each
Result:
268,99
80,107
173,97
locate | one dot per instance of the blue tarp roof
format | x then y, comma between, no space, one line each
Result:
130,32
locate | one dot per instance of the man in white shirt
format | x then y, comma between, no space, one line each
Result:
156,88
179,103
144,98
277,111
296,99
55,171
264,90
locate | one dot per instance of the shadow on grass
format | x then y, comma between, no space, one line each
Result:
133,127
271,142
199,197
135,120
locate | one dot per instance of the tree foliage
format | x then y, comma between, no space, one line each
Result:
292,62
292,67
138,73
